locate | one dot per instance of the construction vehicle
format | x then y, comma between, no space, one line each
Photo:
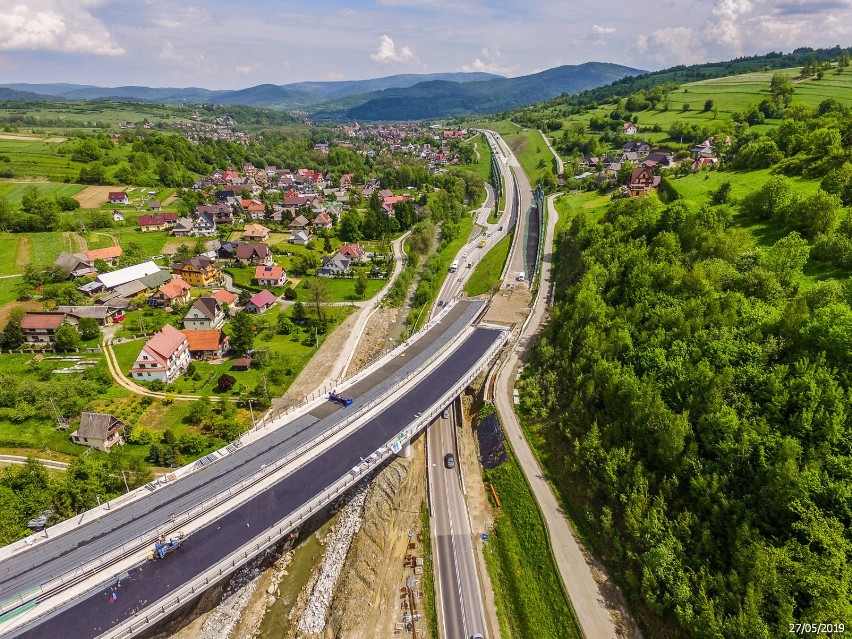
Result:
340,399
163,547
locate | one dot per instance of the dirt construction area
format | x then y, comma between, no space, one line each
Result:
510,305
93,197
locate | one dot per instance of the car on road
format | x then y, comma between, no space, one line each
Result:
476,636
449,460
500,228
522,276
464,254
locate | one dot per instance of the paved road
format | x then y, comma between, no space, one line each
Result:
458,592
90,616
575,572
58,555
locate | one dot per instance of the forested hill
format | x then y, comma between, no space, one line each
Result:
440,99
700,413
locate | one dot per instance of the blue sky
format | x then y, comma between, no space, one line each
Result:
227,45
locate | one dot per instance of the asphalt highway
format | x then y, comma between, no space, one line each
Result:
56,556
460,599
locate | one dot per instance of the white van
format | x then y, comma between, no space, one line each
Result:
521,276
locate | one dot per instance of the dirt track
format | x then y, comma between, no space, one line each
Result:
29,138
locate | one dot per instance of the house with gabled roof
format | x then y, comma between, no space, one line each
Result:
159,222
272,275
118,197
255,233
323,221
76,264
301,222
164,357
175,291
206,313
98,430
335,266
253,253
301,238
353,252
40,328
226,297
207,344
198,271
108,254
642,181
628,128
261,302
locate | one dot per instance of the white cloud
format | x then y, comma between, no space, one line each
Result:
334,75
674,45
602,31
167,52
55,25
489,62
725,27
387,53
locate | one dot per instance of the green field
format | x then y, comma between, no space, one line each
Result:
532,152
486,275
527,588
31,159
482,166
13,191
7,289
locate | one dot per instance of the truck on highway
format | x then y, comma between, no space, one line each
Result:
339,399
454,266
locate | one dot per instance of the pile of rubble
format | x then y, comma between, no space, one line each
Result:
337,547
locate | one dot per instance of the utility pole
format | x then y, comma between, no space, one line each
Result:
251,410
126,487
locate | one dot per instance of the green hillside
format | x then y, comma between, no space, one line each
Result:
690,397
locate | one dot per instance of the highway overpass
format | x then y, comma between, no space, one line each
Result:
234,507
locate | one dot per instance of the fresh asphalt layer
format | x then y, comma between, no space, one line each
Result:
56,556
153,580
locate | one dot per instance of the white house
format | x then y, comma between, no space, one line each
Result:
165,357
206,314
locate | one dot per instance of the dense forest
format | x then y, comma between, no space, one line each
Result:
698,399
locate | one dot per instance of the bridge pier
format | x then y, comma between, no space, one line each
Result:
405,451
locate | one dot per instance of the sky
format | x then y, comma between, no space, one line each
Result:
241,43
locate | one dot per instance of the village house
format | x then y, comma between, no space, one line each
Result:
640,147
323,221
164,357
225,297
301,238
118,197
159,222
173,292
75,264
155,205
207,344
102,314
255,233
353,252
101,431
206,313
108,254
253,253
629,128
222,213
270,275
346,180
40,328
334,266
261,302
641,181
198,271
301,222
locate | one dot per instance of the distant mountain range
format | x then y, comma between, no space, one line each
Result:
298,95
397,97
440,98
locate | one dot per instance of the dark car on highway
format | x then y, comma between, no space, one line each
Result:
449,460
